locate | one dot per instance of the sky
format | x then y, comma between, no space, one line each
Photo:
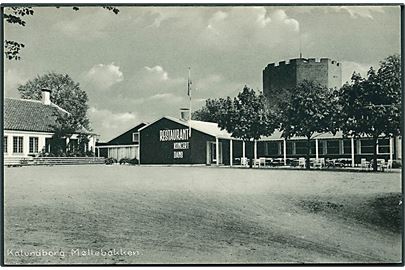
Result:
134,65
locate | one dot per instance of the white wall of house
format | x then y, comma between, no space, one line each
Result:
26,138
42,136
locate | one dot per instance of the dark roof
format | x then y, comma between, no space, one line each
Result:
30,115
124,138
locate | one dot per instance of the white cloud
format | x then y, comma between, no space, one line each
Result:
104,76
158,72
360,11
243,26
155,80
353,11
110,124
89,23
12,79
163,14
348,67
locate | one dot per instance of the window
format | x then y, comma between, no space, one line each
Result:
312,146
347,147
301,148
33,145
383,146
290,146
273,148
17,144
332,147
367,146
5,144
135,137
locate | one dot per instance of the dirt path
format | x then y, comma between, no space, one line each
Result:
200,215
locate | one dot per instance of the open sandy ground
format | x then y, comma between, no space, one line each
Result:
200,215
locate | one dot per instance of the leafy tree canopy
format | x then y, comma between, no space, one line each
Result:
65,93
311,108
247,117
212,111
372,106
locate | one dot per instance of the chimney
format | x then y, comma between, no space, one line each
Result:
46,96
184,114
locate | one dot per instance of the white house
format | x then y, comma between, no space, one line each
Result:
28,127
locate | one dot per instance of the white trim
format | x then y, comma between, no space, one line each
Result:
185,124
255,149
391,148
352,150
133,139
243,149
117,146
230,152
27,132
217,150
316,150
285,151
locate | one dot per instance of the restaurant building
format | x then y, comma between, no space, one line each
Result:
169,140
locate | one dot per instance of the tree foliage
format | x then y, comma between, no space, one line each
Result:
311,108
372,106
66,93
16,15
64,127
212,111
247,116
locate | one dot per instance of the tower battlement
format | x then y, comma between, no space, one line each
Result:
303,61
284,75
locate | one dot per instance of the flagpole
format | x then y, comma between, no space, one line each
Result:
189,95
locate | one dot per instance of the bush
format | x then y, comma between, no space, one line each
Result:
396,164
133,161
110,161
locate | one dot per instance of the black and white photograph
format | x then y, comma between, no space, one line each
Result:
202,134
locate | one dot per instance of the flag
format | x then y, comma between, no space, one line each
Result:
189,95
189,86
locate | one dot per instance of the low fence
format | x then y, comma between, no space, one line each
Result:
19,161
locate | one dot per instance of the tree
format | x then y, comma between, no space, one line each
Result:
65,126
65,93
246,116
14,15
372,106
212,111
310,109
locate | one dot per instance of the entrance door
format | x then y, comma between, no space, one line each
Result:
211,153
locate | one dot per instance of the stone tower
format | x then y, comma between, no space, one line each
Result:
278,78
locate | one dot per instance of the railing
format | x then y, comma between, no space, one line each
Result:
22,161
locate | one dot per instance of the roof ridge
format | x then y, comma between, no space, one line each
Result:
25,99
39,101
60,108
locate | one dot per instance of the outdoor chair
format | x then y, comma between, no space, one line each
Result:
381,164
301,162
320,162
262,162
244,161
388,166
364,164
